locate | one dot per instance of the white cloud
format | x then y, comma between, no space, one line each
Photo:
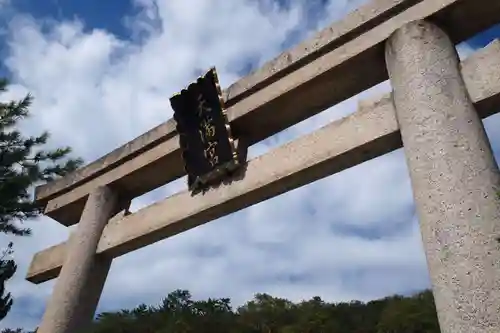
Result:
350,236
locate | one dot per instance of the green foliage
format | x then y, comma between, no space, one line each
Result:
23,163
7,270
408,315
179,313
17,330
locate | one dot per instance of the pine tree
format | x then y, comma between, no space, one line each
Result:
7,270
23,164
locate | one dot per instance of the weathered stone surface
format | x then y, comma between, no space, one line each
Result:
454,176
79,286
352,25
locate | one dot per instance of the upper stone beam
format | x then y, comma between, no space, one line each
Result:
354,24
348,69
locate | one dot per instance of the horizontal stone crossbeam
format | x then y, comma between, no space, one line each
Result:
354,24
370,132
274,98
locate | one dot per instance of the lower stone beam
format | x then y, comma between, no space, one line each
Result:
370,132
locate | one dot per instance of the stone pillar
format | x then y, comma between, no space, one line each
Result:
83,274
454,176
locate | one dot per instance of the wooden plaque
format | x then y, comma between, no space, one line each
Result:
208,149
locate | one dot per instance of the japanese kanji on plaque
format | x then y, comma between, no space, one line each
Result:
208,149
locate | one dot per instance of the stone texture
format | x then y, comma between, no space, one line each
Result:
340,32
454,177
83,274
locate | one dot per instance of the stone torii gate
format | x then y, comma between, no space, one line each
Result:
434,112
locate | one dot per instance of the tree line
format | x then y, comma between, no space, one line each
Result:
179,313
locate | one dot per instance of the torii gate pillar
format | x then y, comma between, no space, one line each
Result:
454,176
83,274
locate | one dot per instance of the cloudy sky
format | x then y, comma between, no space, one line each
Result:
101,73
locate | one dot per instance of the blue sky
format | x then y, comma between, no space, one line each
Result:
101,73
97,14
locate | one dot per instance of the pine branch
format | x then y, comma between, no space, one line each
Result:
25,163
